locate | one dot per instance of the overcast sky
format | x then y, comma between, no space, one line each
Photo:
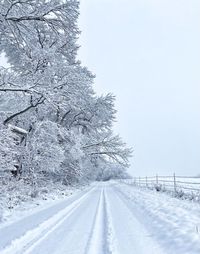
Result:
147,53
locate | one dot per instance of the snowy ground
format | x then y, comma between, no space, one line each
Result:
107,218
22,202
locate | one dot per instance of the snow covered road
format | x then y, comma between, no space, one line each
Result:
107,218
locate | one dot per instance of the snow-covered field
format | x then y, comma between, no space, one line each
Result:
107,218
185,187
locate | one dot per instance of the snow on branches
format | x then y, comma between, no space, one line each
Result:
64,130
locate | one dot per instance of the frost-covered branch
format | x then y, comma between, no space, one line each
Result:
32,105
48,93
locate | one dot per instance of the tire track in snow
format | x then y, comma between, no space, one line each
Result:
161,223
26,243
102,240
14,229
96,242
132,236
71,237
110,232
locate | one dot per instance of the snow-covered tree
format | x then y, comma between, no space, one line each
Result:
49,94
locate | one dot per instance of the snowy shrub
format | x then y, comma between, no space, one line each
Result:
34,193
158,187
179,193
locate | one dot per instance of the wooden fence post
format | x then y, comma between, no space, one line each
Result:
174,176
157,180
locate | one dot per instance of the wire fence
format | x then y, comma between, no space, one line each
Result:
175,183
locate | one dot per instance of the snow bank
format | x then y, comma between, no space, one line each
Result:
173,222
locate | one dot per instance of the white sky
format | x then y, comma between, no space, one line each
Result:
147,52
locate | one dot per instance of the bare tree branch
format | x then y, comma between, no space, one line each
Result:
40,101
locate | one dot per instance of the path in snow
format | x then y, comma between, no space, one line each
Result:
107,218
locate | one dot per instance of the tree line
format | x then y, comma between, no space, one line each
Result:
53,125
